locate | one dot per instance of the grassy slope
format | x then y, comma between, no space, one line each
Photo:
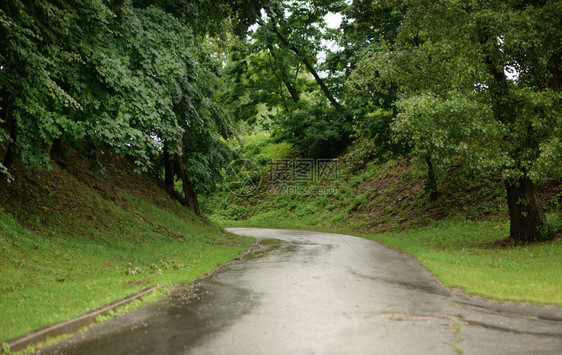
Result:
71,241
467,255
460,237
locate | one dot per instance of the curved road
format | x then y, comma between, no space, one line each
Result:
322,293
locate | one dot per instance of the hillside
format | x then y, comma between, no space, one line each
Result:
73,238
366,196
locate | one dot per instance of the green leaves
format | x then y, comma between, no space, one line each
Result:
120,75
455,99
43,44
446,128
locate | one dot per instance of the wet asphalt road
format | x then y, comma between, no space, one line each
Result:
320,293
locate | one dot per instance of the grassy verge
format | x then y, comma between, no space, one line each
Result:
474,257
49,280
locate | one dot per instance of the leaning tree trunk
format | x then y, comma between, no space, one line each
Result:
168,168
346,115
431,185
526,213
10,125
292,90
189,193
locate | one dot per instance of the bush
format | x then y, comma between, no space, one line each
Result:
316,133
551,228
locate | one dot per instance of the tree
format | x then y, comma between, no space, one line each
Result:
128,76
366,25
168,99
279,66
300,28
41,43
480,82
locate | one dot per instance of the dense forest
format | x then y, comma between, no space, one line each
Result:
171,84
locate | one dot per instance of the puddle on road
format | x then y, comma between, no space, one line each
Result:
171,325
187,316
264,247
287,249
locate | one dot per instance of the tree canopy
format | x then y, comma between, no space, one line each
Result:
475,84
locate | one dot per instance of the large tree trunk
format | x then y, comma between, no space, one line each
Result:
526,213
168,168
190,197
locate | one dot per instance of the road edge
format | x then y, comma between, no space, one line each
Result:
72,325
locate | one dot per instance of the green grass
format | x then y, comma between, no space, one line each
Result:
379,197
261,144
50,279
73,239
472,257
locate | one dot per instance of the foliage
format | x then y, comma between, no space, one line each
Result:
480,83
42,41
366,25
444,129
138,88
444,63
278,66
128,76
317,132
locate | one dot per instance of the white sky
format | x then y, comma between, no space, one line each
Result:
333,20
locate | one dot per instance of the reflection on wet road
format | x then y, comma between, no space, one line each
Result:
321,293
